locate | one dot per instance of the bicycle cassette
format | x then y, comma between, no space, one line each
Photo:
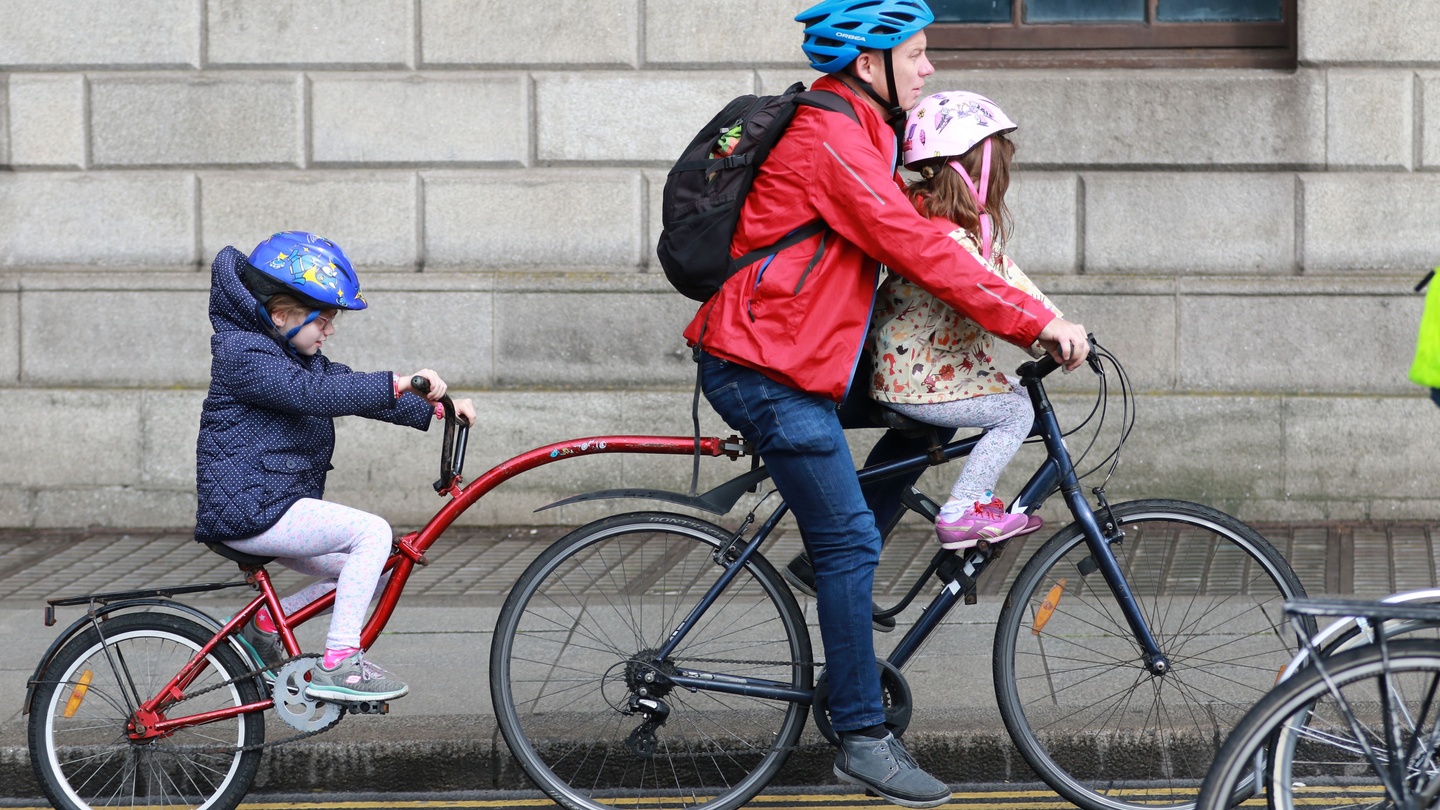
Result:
297,710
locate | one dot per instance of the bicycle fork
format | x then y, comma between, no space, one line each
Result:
1059,471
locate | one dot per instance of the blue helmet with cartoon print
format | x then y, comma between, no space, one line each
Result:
837,30
309,267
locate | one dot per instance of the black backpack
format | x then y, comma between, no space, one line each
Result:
706,189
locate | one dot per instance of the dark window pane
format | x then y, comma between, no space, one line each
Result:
1085,11
971,11
1218,10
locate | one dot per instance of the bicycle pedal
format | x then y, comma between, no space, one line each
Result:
368,707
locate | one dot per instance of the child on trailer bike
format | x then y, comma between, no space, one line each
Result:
778,343
267,434
933,364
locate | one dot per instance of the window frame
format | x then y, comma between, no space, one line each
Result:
1149,44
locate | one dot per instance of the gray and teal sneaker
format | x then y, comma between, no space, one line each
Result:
353,679
264,647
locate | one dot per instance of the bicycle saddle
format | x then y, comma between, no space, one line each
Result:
238,556
884,417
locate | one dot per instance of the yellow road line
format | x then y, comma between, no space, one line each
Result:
972,800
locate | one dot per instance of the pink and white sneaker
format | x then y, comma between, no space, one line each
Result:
983,521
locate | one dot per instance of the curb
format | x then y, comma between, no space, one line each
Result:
482,762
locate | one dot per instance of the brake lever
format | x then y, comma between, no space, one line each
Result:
1093,358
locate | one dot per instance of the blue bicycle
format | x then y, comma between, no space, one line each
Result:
657,657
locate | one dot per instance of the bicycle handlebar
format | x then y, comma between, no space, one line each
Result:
1047,365
452,449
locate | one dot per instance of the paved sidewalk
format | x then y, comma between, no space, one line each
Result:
443,735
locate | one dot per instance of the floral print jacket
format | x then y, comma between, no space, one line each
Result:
926,352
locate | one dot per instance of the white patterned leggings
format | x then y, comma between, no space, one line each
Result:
1007,419
346,547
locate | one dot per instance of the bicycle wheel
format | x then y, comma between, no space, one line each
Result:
78,743
1072,687
566,661
1312,737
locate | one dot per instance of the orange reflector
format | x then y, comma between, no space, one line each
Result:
1281,673
1047,608
78,693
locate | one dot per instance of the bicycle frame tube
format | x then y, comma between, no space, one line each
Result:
411,547
1099,545
1056,471
720,682
175,689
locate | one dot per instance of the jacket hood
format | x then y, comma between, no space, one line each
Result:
232,307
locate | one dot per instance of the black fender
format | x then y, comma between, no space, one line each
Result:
84,622
718,501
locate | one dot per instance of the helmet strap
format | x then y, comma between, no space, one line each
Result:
893,113
979,193
290,349
314,313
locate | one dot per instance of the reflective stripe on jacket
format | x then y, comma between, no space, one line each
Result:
801,316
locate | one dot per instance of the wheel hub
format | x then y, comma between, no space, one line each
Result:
645,678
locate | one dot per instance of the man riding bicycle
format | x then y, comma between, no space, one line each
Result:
779,343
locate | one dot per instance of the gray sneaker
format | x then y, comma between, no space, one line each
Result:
886,768
264,647
353,680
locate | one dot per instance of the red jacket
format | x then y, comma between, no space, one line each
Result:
801,318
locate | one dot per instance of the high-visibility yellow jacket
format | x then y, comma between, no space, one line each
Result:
1426,368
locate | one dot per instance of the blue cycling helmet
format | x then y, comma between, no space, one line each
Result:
837,30
311,268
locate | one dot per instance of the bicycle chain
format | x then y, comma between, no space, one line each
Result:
256,673
817,746
307,734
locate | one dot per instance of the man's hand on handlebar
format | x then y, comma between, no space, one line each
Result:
1066,342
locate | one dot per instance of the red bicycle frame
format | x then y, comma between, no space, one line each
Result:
410,550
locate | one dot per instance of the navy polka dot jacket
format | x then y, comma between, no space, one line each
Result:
267,429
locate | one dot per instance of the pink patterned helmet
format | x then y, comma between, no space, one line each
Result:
950,124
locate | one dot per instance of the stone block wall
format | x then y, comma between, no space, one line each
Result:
1246,241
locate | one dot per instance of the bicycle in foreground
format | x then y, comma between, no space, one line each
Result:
1356,722
658,659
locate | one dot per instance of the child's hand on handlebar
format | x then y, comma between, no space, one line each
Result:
437,385
1066,342
465,410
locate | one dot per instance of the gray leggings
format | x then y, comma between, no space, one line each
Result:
1007,419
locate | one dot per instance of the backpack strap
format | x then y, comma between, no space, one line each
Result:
819,99
827,100
795,237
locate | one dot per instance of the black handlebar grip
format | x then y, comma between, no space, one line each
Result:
1045,366
420,385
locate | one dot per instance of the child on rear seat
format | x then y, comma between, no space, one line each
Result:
932,363
267,434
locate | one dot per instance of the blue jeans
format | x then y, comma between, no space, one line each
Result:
798,436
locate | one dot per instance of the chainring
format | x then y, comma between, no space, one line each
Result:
895,697
298,711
